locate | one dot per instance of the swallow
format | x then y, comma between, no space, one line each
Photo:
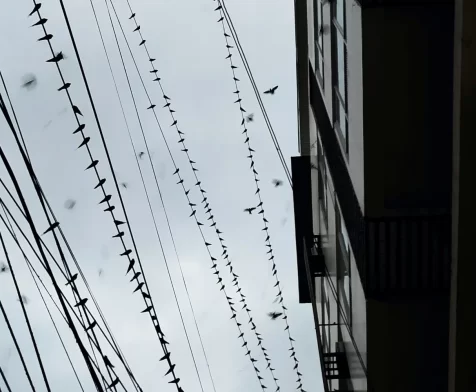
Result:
73,278
93,164
250,117
136,275
166,356
139,287
147,310
107,362
76,110
127,252
272,90
151,106
41,22
80,129
113,384
52,227
35,9
91,326
131,265
118,235
47,37
4,268
175,381
141,154
277,183
106,199
274,315
170,370
249,210
81,302
132,16
57,58
65,86
69,204
84,142
142,42
136,29
118,222
110,208
30,82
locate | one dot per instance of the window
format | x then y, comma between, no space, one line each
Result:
343,268
322,182
319,41
340,73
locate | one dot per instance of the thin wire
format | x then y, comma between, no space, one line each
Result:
5,379
241,52
12,334
193,214
12,231
25,314
145,188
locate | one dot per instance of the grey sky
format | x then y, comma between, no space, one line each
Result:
188,44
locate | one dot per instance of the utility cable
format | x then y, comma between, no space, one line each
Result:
4,378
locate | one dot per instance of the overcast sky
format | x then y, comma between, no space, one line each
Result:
189,47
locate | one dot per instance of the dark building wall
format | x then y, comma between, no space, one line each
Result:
407,344
407,79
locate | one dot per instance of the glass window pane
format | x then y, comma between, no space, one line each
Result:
341,68
340,12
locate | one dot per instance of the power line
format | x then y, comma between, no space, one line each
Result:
25,314
150,307
191,205
260,205
4,378
244,60
207,205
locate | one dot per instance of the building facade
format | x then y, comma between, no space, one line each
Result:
373,188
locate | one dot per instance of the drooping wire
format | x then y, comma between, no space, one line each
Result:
206,203
260,205
146,191
12,232
4,378
191,205
244,60
31,267
150,307
17,346
68,275
25,315
74,290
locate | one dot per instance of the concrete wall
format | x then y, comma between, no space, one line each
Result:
407,74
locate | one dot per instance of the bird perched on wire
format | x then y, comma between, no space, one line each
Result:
277,183
274,315
250,117
249,210
272,90
29,81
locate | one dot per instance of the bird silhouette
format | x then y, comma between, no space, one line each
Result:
107,362
113,384
42,21
250,117
29,81
35,9
81,303
277,183
73,278
249,210
70,204
141,154
139,287
47,37
76,110
52,227
272,90
57,58
65,86
274,315
136,275
125,185
4,268
131,265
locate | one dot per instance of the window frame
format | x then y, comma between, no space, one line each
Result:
319,41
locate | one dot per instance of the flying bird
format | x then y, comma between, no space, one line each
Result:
250,117
70,204
23,299
29,81
125,185
100,272
277,183
274,315
141,154
249,210
271,90
4,268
